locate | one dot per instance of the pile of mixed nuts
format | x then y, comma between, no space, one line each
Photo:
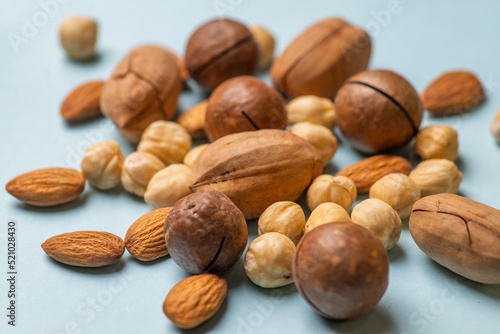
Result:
255,168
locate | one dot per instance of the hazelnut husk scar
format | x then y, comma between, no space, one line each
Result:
143,88
378,111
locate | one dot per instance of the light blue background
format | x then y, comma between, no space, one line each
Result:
420,41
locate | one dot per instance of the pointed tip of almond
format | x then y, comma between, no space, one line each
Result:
83,102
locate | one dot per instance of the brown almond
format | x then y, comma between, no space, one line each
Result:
83,102
453,93
85,248
194,300
364,173
47,187
193,120
145,239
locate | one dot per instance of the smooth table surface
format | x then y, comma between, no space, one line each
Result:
418,39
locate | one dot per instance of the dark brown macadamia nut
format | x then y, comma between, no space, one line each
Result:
205,233
341,269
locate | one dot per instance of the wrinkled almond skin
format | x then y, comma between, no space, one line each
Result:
453,93
85,248
257,168
194,300
319,60
460,234
145,239
193,120
83,102
47,187
366,172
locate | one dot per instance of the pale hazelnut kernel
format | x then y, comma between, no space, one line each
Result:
397,190
102,164
78,36
138,169
380,218
437,142
318,136
310,108
265,41
193,154
166,140
326,213
284,217
268,261
495,126
436,176
328,188
168,186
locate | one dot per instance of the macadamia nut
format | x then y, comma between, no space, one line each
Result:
193,154
380,218
398,190
265,41
138,169
284,217
328,188
268,261
78,36
318,136
102,164
437,142
326,213
495,126
436,176
168,186
310,108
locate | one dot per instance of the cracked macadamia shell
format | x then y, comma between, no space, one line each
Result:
341,270
205,233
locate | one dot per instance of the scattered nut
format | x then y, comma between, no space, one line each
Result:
336,189
380,218
265,41
102,164
83,102
311,108
168,186
495,126
168,141
318,136
436,176
193,154
193,120
437,142
137,171
268,261
78,36
326,213
398,190
284,217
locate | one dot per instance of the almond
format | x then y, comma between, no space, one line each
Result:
194,300
85,248
193,120
47,187
145,239
453,93
83,102
364,173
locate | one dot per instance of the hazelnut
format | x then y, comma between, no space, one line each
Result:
398,190
138,169
380,218
219,50
326,213
168,141
268,261
102,164
205,233
193,120
310,108
318,136
378,111
284,217
437,142
78,36
341,270
193,154
495,126
435,176
168,186
265,41
336,189
243,104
